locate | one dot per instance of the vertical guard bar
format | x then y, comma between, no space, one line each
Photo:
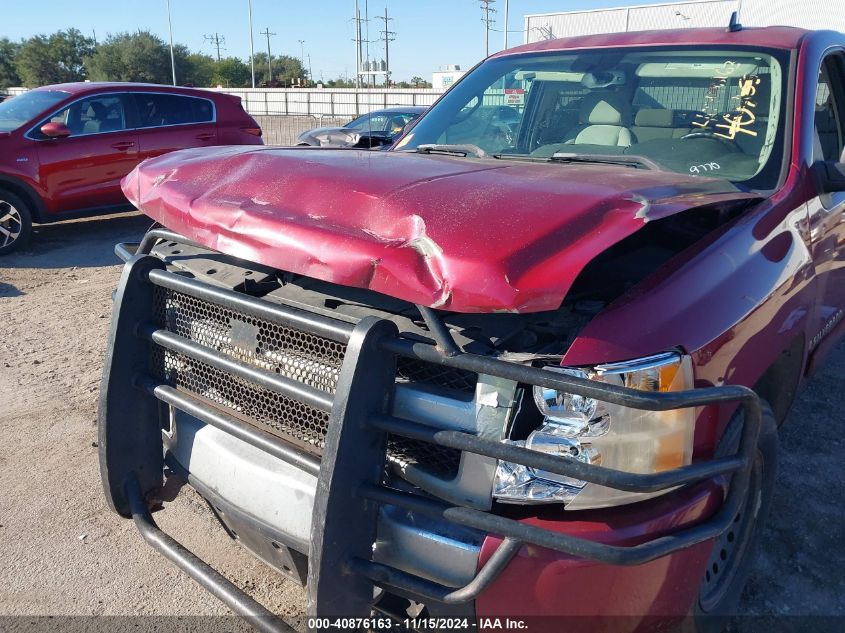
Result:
219,586
128,434
343,523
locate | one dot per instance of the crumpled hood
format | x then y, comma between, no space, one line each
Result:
461,234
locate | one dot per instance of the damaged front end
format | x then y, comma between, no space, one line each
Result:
293,404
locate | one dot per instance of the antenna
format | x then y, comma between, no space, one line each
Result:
734,24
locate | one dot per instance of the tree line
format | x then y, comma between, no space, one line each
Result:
142,56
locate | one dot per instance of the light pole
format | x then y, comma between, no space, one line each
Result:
302,54
251,45
505,28
172,58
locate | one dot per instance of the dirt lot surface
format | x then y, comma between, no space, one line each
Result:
63,553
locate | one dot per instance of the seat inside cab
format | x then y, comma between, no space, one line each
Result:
689,114
657,123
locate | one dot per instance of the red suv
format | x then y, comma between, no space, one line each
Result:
65,148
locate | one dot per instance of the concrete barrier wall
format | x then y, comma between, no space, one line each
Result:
283,130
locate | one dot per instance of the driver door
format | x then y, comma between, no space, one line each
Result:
83,171
827,211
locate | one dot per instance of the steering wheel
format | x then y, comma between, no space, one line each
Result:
465,112
727,142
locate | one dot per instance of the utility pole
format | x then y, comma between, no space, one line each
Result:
387,36
487,10
217,41
358,58
251,45
370,78
172,57
269,56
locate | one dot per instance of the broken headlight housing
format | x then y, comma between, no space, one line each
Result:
596,432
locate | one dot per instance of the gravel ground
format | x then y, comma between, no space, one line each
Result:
63,553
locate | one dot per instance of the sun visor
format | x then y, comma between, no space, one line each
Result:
698,70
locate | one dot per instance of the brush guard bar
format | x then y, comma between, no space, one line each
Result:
341,572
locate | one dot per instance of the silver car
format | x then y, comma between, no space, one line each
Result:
374,129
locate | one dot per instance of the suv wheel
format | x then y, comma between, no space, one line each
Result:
734,551
15,222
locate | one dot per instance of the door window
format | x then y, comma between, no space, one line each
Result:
828,118
93,115
156,110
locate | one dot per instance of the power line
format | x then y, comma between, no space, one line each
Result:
267,33
486,9
387,36
217,41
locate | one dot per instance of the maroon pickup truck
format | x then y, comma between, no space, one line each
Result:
529,363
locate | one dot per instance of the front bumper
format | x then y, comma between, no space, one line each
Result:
342,571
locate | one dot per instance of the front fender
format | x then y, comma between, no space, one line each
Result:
734,304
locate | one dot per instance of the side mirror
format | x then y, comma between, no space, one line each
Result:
55,130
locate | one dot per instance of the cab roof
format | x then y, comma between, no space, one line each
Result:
784,37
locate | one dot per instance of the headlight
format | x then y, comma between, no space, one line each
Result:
604,434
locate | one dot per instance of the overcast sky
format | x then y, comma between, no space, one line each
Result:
429,33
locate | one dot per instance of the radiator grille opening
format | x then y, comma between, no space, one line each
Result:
301,356
293,421
413,370
294,354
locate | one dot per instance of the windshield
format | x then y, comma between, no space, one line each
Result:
19,110
392,122
706,112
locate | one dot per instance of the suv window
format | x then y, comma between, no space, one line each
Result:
93,115
829,141
168,109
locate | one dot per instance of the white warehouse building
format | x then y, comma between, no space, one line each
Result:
808,14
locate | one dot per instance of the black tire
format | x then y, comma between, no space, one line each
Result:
15,222
734,552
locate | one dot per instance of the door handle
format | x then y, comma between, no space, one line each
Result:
206,136
123,145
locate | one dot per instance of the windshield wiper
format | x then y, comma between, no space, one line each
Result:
630,161
457,149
